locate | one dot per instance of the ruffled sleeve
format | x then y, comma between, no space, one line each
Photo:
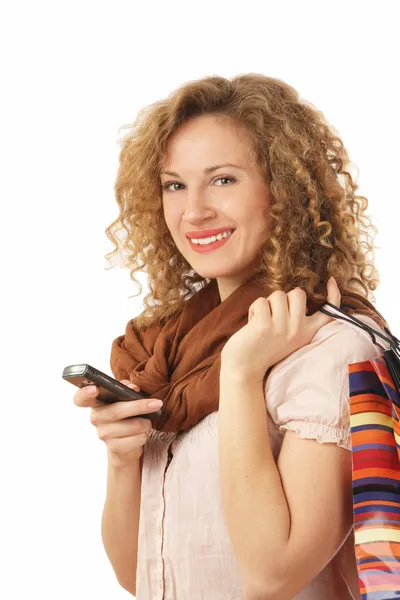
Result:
308,392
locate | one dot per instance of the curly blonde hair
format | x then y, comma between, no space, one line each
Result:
316,220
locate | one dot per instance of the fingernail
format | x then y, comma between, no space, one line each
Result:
90,389
155,404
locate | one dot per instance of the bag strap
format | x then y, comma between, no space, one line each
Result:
391,340
392,355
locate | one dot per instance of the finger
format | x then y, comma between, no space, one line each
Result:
279,307
260,307
264,307
83,398
297,301
334,295
125,428
319,319
129,383
122,410
124,446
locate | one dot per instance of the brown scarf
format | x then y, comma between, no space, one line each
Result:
180,362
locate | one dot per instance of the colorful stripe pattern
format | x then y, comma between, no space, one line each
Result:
375,438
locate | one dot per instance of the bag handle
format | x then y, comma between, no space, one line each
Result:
392,355
393,341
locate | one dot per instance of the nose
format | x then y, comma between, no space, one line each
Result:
197,205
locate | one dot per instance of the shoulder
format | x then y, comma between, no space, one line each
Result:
335,344
308,390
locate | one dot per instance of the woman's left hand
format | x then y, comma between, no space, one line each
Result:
277,326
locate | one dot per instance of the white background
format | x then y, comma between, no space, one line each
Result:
72,74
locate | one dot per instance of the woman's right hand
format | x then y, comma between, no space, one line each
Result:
119,424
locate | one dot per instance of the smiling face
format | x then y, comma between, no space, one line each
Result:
232,197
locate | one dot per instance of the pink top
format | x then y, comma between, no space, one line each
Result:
184,549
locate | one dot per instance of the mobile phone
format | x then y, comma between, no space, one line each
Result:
110,389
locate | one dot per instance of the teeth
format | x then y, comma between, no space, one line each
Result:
210,240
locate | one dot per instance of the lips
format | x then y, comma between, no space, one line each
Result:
213,246
208,232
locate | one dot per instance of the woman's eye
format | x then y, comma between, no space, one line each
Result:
166,186
228,178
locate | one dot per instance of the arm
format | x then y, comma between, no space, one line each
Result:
286,520
120,522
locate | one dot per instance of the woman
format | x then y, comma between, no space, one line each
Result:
242,487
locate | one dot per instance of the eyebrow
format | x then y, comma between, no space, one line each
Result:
206,170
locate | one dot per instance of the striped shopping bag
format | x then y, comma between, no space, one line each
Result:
375,436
